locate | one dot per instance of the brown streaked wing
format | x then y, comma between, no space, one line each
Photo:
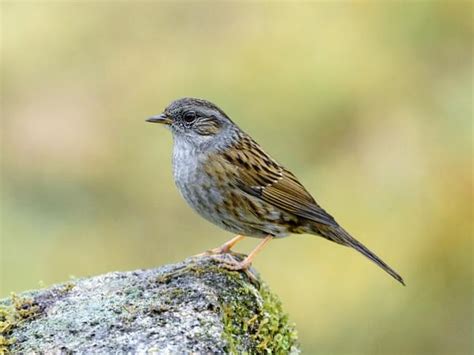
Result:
262,177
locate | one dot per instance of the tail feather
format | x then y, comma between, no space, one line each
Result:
340,236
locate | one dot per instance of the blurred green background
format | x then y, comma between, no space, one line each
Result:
370,104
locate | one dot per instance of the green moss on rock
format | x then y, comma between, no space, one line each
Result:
256,314
17,311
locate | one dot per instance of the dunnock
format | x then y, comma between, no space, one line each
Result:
229,180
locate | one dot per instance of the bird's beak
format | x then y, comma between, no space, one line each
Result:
161,118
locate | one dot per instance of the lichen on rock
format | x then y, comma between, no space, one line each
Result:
194,306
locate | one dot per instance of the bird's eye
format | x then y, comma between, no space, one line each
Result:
189,117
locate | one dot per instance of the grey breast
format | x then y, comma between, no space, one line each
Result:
195,186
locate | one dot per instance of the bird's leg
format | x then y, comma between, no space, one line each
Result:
227,246
245,264
224,248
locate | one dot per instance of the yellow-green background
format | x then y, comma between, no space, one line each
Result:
370,104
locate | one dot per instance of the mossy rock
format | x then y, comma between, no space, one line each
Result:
194,306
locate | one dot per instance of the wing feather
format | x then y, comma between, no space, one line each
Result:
259,175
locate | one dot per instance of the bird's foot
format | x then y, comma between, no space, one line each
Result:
224,248
216,252
236,262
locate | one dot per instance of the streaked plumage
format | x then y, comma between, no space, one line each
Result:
229,180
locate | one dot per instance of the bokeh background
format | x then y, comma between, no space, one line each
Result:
370,104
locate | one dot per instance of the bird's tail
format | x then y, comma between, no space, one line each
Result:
340,236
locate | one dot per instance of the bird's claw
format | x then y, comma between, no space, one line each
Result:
230,262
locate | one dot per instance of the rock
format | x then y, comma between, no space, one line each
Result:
194,306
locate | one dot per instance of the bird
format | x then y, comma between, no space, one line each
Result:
229,180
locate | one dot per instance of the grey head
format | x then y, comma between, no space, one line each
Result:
197,123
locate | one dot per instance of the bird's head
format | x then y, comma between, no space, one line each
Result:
196,121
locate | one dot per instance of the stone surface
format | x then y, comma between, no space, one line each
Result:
194,306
